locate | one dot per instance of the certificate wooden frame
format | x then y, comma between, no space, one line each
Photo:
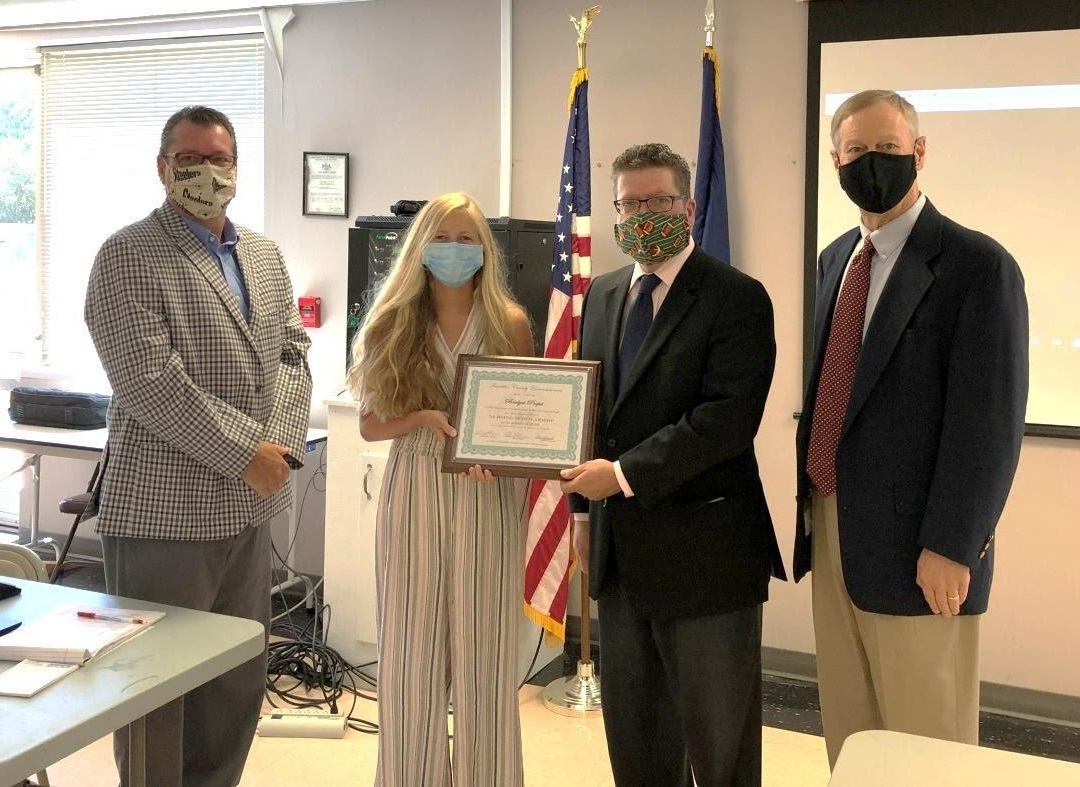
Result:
522,417
326,184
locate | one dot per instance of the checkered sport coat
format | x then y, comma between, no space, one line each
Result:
195,386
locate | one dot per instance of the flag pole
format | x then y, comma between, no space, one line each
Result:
578,694
709,51
710,231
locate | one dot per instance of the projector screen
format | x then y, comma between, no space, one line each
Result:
1001,117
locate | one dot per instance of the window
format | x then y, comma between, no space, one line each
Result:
18,247
102,111
18,231
86,125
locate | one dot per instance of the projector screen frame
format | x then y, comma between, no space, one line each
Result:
835,21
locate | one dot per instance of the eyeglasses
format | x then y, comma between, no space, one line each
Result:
195,159
628,207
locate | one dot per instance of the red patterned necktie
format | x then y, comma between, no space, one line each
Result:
838,371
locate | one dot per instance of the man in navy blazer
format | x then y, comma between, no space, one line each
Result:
679,543
897,507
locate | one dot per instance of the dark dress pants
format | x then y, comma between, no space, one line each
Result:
680,694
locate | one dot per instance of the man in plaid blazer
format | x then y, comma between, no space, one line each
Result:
195,324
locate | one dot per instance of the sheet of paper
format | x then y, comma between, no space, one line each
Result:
28,677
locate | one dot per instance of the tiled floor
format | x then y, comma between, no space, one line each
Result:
560,751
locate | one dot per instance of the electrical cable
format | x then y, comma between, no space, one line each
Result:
283,561
529,674
304,672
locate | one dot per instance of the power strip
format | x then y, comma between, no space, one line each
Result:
301,723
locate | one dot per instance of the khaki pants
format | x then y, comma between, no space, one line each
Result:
914,674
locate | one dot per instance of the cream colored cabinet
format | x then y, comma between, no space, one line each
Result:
354,471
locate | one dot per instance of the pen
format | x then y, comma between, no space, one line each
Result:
111,618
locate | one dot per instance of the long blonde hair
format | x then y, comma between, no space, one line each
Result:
395,367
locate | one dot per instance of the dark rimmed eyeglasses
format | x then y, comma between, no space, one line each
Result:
662,204
195,159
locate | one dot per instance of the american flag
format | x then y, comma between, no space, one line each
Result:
547,548
710,188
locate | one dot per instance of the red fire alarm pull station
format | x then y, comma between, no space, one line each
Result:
310,309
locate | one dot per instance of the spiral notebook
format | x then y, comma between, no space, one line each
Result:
74,635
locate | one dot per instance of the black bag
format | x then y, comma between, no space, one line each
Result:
53,407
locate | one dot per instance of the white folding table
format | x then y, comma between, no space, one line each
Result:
39,441
896,759
179,653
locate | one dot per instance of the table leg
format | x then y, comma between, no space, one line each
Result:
35,503
33,464
137,753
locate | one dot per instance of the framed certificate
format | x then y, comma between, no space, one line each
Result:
523,417
326,184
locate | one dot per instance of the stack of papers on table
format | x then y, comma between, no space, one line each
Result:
74,635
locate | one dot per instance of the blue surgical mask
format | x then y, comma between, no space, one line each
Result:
453,263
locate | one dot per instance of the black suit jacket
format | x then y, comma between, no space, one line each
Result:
932,433
696,538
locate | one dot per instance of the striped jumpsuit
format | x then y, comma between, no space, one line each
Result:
449,575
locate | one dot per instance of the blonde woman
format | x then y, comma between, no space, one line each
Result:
448,547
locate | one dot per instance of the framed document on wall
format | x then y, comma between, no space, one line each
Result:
326,184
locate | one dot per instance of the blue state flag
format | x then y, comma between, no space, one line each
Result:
710,187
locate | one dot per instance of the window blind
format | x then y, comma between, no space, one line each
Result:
103,109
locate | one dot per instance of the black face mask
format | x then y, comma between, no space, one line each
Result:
876,181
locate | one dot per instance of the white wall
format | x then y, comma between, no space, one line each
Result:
410,89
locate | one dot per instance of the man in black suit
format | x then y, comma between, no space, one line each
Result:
678,540
905,460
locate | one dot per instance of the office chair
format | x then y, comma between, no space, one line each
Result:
23,563
81,505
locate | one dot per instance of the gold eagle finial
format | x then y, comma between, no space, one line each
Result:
582,25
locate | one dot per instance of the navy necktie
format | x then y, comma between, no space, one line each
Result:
637,324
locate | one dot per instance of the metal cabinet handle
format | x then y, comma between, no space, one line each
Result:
366,474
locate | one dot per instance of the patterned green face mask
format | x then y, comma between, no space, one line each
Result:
651,238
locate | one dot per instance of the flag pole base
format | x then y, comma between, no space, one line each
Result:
574,695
